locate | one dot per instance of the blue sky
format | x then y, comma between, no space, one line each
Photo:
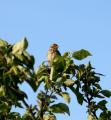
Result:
73,24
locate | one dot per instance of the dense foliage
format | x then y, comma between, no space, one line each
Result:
16,66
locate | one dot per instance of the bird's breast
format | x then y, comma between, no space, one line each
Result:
51,56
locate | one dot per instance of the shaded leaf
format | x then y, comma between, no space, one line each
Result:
60,108
19,57
99,96
28,59
98,86
106,93
27,55
58,63
18,104
42,70
79,96
81,54
18,93
4,107
54,97
14,116
33,84
102,103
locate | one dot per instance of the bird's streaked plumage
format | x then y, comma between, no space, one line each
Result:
53,52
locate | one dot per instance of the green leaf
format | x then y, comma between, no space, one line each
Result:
58,63
57,66
2,91
49,117
19,57
66,96
15,70
4,107
66,54
97,86
28,59
18,104
18,93
42,70
3,43
33,84
99,96
91,117
14,116
27,55
31,62
20,46
79,96
69,82
106,93
81,54
60,108
105,115
102,103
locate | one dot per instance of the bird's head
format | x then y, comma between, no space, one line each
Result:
54,46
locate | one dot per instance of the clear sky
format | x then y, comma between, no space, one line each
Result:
73,24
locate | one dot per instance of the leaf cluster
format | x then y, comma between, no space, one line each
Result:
16,66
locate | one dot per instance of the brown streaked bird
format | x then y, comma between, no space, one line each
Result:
53,52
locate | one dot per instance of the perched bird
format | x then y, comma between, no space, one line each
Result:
53,52
56,66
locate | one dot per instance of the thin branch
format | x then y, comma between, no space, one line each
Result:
30,110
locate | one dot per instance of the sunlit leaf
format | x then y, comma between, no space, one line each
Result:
66,96
20,46
49,117
2,91
15,70
69,82
3,43
91,117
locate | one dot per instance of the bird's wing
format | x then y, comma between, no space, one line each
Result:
58,53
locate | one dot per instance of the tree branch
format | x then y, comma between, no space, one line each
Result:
30,110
